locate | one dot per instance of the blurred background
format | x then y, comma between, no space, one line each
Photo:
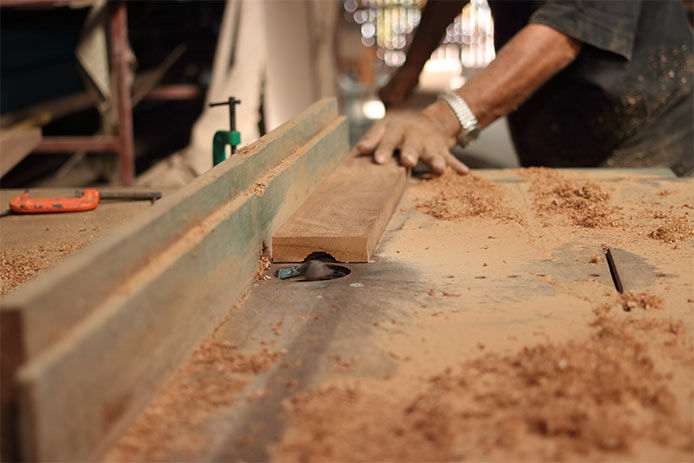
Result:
120,89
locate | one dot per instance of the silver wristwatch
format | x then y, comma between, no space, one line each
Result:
469,130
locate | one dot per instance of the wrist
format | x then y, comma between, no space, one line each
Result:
466,118
444,117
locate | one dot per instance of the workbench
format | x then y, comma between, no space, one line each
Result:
436,294
335,369
34,243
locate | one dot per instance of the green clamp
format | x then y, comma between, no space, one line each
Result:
226,137
221,139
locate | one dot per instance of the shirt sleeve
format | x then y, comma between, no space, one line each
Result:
609,25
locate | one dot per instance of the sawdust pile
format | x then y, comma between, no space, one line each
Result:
172,427
546,402
456,197
16,269
643,301
264,263
673,230
585,204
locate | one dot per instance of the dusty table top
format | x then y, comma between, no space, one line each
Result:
31,243
486,327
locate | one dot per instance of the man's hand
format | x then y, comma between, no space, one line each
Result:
427,136
525,63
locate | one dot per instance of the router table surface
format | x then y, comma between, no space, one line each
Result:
329,370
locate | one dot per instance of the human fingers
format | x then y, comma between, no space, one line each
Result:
390,141
456,164
434,157
409,152
440,151
370,141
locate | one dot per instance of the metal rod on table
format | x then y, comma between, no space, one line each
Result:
132,195
613,271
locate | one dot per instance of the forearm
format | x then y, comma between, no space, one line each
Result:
528,61
436,16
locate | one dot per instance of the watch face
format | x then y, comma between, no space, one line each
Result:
468,135
473,133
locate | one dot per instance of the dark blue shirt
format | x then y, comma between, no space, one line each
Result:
627,98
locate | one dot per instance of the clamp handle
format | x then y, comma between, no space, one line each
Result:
231,102
222,138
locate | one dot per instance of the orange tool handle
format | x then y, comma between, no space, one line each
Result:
23,204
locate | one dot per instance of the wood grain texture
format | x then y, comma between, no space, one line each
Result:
15,144
104,330
118,255
41,241
345,216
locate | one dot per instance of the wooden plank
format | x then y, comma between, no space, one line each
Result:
118,255
15,145
105,330
31,244
345,216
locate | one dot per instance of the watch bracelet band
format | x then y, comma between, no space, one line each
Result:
469,128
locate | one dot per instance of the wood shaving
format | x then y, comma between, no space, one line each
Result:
456,197
665,193
342,363
585,204
173,426
17,269
258,188
546,402
277,328
673,230
264,263
644,301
